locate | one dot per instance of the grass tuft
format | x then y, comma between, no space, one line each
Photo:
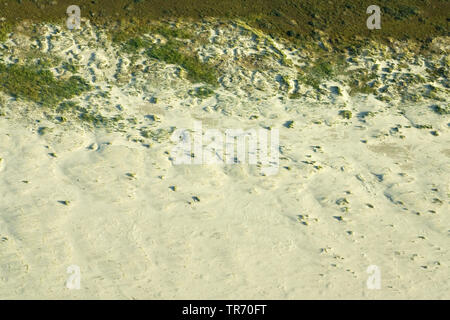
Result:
5,29
346,114
39,85
202,92
197,71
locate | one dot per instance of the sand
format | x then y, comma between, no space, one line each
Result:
349,193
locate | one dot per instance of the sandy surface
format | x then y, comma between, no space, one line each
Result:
349,193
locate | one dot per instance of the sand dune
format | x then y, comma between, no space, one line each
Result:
369,189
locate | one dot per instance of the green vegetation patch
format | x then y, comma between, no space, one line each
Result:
5,29
401,12
94,118
130,35
344,21
322,69
197,71
39,85
134,45
295,95
346,114
171,32
442,110
359,82
202,92
67,106
73,68
137,28
72,110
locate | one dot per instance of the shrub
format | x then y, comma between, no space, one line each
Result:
346,114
